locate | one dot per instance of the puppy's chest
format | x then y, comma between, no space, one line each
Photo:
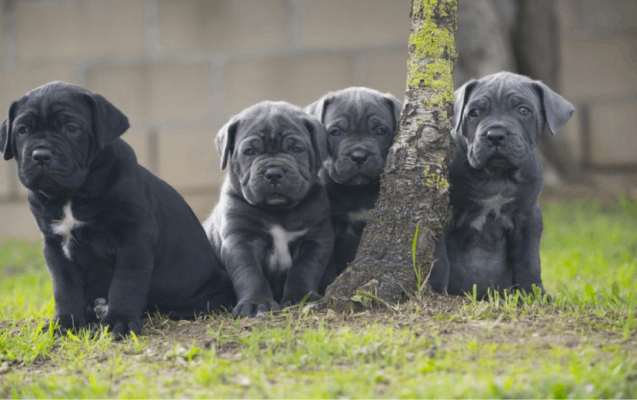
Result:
350,214
486,215
283,246
78,234
66,227
350,222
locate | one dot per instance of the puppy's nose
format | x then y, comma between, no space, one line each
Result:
41,156
274,174
359,157
496,136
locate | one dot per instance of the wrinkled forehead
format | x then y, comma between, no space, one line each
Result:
271,124
505,92
357,108
49,103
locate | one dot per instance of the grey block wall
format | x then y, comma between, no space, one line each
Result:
180,68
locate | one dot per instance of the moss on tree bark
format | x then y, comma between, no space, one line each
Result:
414,187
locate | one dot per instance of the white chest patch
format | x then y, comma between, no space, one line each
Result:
361,215
64,228
280,260
492,204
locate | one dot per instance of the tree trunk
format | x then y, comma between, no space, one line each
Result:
414,187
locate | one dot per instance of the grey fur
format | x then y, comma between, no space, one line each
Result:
271,228
493,240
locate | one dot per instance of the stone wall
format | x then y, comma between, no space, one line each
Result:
180,68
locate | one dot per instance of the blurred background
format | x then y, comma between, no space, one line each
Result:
181,68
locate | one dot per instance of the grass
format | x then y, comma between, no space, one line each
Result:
581,345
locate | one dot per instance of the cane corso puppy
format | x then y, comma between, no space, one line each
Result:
360,125
112,231
271,228
493,240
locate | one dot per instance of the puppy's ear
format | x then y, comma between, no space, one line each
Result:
225,140
109,122
555,109
6,131
318,138
317,109
462,97
5,146
395,106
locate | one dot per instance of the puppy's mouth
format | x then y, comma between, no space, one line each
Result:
499,161
359,180
356,176
275,200
48,181
47,186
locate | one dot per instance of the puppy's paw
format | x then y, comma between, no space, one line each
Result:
298,296
255,308
100,308
121,326
64,324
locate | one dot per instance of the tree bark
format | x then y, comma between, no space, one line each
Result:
414,187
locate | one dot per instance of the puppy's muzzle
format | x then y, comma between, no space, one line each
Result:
359,155
41,156
496,135
274,174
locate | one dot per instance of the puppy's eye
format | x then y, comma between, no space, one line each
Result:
297,149
335,132
524,111
381,131
72,128
22,130
249,151
474,112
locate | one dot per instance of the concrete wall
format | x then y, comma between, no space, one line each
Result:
599,75
180,68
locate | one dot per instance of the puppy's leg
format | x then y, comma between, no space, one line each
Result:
129,290
328,277
68,287
345,246
254,295
305,274
439,278
524,251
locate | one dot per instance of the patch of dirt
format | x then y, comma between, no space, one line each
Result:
168,341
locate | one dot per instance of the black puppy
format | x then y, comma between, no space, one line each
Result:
496,177
110,228
360,125
271,228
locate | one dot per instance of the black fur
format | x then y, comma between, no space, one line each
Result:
139,245
360,124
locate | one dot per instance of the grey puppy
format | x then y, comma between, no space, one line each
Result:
493,240
360,125
271,228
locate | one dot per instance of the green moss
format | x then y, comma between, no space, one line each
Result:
435,179
433,51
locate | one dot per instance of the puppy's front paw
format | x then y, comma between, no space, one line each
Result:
65,323
254,308
121,326
297,296
100,307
